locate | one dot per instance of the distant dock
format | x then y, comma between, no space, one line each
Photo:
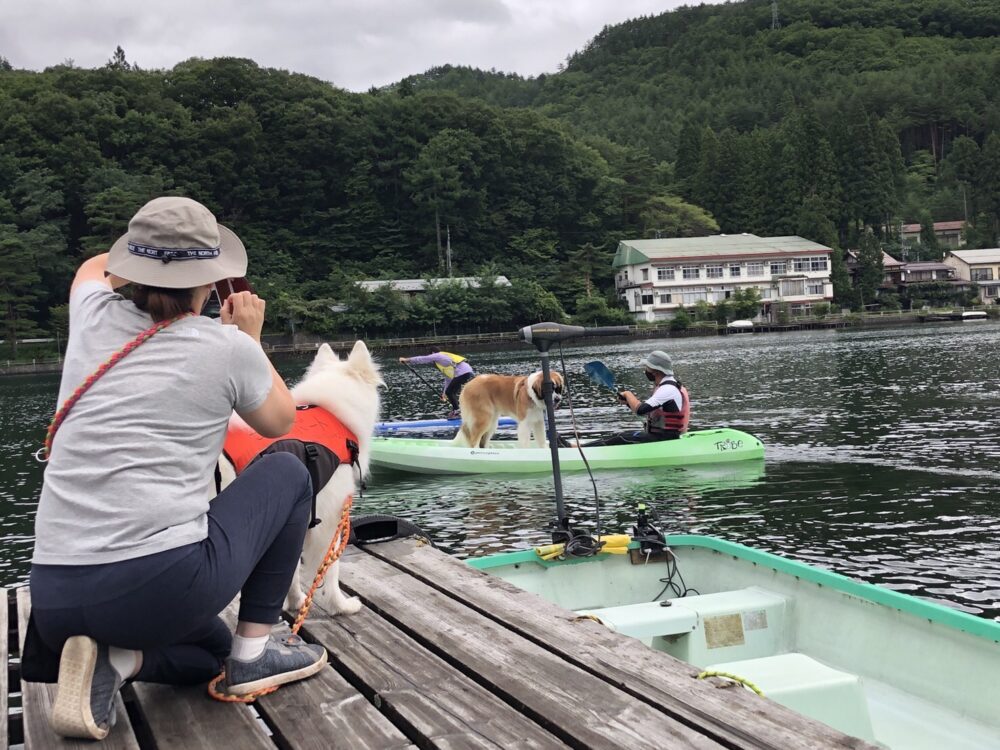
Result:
441,656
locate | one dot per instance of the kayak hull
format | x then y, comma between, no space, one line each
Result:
438,457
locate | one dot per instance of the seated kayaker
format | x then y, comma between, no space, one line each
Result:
456,370
667,410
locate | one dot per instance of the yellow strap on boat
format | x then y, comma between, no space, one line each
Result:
615,544
550,551
735,678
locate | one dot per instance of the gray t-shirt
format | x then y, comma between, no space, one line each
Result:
131,467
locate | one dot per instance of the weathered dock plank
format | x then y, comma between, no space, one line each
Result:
437,703
324,712
37,701
185,718
4,655
578,707
735,717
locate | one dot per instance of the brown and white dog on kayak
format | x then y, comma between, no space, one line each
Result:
488,397
344,392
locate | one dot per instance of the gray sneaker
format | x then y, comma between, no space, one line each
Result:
286,658
85,695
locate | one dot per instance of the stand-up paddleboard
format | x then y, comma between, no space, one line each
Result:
385,428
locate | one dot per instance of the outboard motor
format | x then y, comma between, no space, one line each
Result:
542,336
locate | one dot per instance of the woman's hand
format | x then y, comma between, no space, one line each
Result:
403,360
245,310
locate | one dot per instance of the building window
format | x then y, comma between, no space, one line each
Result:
647,298
793,288
815,287
755,269
800,265
989,291
982,274
691,272
645,274
734,272
767,293
664,274
664,299
819,264
690,296
713,272
779,268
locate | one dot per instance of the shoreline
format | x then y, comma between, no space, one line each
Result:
486,341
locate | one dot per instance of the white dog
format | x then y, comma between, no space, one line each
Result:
348,390
488,397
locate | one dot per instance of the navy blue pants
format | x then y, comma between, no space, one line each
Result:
167,604
632,437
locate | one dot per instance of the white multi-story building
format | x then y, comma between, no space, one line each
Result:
655,277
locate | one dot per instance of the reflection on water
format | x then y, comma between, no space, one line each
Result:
882,456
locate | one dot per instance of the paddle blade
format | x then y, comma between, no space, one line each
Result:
600,374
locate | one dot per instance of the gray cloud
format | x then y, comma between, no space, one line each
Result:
354,45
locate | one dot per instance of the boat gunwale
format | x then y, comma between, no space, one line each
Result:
907,603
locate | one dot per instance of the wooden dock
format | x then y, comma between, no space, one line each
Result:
441,656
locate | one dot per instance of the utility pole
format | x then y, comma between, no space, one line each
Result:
775,21
448,250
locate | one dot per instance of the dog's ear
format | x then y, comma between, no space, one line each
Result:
359,350
325,354
360,360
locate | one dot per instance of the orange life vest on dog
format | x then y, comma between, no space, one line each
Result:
320,440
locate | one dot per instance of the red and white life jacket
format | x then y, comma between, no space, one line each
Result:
320,440
659,421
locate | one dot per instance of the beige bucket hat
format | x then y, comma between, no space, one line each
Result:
176,243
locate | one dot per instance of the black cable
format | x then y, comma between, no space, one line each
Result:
581,545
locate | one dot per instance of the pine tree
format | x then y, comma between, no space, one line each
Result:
19,286
870,267
930,249
688,156
988,182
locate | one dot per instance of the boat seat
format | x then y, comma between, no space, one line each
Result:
646,619
809,687
740,624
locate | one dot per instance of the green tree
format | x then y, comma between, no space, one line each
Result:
19,286
843,292
870,271
670,216
444,176
930,249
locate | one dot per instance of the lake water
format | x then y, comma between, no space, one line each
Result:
883,456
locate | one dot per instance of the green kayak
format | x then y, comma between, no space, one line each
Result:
504,457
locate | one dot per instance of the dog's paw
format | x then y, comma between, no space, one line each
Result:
294,601
346,605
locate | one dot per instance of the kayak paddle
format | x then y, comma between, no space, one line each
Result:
601,375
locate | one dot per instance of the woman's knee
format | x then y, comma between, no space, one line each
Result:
293,473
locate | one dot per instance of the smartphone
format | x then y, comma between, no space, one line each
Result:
220,293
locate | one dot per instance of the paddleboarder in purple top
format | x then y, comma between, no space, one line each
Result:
456,371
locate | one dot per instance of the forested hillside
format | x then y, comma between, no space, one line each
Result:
849,116
881,109
323,186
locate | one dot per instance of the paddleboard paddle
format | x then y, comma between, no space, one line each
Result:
421,378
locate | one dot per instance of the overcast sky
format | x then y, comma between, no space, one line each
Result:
355,44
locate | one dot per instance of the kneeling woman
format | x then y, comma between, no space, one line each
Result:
132,563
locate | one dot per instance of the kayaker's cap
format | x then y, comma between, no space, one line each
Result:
176,243
658,360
